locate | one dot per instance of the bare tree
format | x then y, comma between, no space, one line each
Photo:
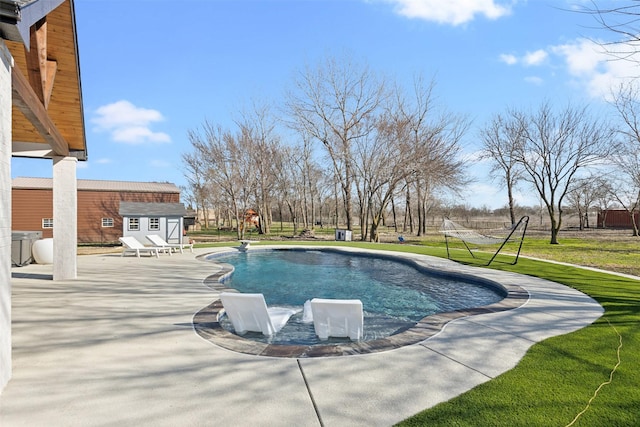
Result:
628,196
500,138
627,154
555,147
604,199
311,178
195,174
335,103
585,193
227,166
623,21
290,185
433,140
262,148
382,163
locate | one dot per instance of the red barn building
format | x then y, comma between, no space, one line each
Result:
99,219
616,218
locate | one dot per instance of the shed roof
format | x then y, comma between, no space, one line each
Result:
152,209
97,185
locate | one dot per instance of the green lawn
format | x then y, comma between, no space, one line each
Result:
590,377
556,379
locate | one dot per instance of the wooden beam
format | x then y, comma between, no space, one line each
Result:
41,70
47,81
29,104
37,42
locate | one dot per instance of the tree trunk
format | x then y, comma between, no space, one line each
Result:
313,212
408,217
374,236
581,220
337,212
395,217
292,211
555,226
512,213
420,213
347,197
634,224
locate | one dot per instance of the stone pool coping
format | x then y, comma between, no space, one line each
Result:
206,324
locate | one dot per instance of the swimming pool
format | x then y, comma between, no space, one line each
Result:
396,294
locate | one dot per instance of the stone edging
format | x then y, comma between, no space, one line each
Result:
205,321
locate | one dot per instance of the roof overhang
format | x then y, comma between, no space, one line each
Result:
47,116
17,17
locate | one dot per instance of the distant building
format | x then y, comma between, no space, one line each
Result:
616,218
164,219
99,205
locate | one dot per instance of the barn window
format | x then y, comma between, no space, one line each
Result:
134,224
47,222
107,222
154,223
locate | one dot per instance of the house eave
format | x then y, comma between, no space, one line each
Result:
17,17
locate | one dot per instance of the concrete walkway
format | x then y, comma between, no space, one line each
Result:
117,347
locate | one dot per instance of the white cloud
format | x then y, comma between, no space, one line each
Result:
138,134
508,59
586,62
582,57
535,58
452,12
128,123
103,161
529,59
593,68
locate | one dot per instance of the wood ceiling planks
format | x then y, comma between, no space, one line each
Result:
65,105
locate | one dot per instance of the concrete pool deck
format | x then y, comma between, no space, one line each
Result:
117,346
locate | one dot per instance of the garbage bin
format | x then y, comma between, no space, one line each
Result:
21,244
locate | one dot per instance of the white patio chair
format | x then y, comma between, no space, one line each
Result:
132,245
161,243
249,312
338,318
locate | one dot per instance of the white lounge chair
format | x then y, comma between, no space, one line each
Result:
132,245
161,243
338,318
249,312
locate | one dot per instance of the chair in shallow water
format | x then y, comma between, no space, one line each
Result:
249,312
338,318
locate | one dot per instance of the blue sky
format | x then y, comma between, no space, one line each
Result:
154,69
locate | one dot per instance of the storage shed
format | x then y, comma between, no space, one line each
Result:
164,219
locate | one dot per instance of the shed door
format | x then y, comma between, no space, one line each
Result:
173,230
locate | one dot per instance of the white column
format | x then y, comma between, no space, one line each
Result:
6,63
65,218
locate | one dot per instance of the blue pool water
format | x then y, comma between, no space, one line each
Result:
394,294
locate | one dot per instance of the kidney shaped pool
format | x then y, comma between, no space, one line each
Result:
394,292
